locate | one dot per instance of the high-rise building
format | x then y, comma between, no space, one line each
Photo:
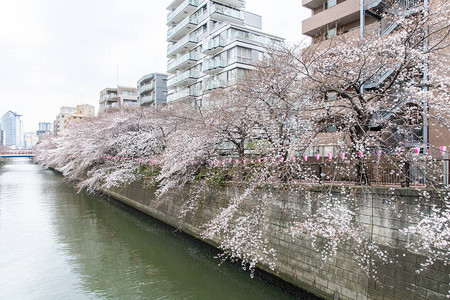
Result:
117,98
12,129
152,89
211,44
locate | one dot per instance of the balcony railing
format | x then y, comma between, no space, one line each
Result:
188,42
193,21
147,87
214,66
186,77
235,3
111,96
147,99
181,61
171,16
226,12
214,84
214,46
182,95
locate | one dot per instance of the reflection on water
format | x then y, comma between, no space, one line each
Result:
55,243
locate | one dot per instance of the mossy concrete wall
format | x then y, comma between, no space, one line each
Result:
297,262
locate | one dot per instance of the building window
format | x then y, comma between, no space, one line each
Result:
331,3
331,33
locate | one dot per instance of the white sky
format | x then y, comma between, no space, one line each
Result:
57,53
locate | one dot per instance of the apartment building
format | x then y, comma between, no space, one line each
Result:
82,112
68,115
152,89
331,18
119,97
65,112
211,44
336,17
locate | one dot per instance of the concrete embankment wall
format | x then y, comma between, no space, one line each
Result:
297,262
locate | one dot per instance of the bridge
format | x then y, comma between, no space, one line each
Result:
18,153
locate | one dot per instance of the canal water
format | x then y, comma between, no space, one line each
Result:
59,244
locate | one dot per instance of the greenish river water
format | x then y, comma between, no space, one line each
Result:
57,244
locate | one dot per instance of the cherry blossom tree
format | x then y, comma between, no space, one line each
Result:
372,95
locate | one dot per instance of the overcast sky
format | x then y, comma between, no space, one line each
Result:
57,53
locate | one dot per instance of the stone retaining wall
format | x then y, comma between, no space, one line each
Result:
297,262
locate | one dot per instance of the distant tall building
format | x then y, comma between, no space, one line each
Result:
45,129
12,129
211,45
152,89
45,126
117,98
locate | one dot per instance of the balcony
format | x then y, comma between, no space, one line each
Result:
186,8
185,44
174,4
183,28
214,46
225,14
233,3
343,13
311,4
183,95
214,84
147,87
111,96
185,78
184,62
147,100
214,66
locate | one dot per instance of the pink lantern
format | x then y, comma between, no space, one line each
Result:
317,156
282,159
293,159
417,150
305,158
443,149
360,154
330,155
343,155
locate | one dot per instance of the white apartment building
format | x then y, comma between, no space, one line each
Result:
117,98
211,44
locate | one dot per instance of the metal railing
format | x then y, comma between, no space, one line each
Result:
171,15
